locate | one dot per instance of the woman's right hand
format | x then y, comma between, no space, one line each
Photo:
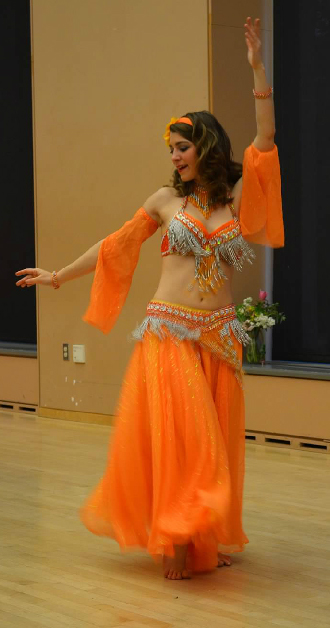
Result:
34,276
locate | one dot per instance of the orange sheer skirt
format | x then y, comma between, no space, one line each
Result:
176,459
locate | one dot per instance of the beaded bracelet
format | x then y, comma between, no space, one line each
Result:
263,95
55,283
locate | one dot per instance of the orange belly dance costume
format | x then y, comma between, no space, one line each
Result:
176,462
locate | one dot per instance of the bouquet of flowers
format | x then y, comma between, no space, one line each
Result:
255,317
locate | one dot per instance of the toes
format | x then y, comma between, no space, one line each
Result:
172,574
177,575
223,560
186,575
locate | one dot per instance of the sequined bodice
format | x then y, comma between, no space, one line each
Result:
207,241
187,236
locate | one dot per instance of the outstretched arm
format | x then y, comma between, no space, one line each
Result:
85,264
264,140
116,263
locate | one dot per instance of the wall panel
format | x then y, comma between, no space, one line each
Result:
19,380
107,78
286,405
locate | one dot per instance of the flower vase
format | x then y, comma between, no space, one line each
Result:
256,350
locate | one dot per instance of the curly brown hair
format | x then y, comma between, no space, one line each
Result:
217,170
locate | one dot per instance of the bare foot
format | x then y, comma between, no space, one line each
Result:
175,568
223,560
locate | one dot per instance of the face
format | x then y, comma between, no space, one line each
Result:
184,157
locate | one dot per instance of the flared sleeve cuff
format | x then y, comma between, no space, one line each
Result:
261,204
117,260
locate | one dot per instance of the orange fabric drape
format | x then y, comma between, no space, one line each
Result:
117,260
261,205
176,460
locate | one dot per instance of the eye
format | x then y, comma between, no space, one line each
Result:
182,149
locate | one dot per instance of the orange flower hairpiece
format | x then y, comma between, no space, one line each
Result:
166,135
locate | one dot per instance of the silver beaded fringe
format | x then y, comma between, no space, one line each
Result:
229,247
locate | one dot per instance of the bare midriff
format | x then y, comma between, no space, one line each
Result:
177,285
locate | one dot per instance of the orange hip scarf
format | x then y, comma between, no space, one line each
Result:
176,461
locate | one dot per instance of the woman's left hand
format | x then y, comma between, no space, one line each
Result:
253,42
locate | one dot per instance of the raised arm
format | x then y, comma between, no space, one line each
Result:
264,140
260,189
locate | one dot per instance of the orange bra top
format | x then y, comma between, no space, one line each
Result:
187,236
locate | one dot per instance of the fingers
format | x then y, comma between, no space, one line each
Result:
33,277
22,282
27,271
252,29
248,42
252,35
27,282
30,278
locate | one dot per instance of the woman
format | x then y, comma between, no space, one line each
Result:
174,479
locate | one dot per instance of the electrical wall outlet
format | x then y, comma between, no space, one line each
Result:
66,352
78,354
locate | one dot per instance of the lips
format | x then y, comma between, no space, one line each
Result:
181,168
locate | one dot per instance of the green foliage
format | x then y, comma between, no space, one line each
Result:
259,314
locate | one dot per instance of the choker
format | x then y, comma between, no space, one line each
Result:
199,198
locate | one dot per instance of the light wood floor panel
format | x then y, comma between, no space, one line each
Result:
54,574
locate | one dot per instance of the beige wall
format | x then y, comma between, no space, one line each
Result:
19,380
233,102
285,405
107,78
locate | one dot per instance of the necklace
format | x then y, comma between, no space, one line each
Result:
199,198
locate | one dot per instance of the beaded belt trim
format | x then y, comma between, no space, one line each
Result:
211,329
202,319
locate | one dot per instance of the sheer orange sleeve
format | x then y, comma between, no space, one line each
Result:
261,205
117,260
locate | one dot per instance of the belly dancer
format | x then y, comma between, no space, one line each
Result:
173,483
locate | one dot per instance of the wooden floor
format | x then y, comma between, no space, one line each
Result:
53,573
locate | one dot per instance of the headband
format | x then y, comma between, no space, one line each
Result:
183,120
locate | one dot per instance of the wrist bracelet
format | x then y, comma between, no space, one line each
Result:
55,283
263,95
